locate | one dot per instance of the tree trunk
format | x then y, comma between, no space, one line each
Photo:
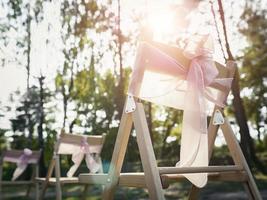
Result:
40,127
246,141
28,53
29,19
168,132
120,88
149,121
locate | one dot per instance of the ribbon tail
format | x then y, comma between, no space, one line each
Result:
194,141
92,164
76,159
19,170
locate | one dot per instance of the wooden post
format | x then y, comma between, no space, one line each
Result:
49,174
118,156
152,177
1,174
36,183
239,158
30,184
58,174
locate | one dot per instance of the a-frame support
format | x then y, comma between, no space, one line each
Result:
154,178
146,152
237,156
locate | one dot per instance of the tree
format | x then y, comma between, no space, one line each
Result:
78,21
21,15
254,70
247,143
32,108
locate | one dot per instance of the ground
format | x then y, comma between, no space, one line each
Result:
214,190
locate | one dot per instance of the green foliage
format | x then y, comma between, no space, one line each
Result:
28,116
78,20
254,70
17,17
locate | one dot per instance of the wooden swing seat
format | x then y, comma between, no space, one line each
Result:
12,156
57,180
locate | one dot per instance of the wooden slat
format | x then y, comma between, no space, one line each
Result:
135,179
177,54
37,190
132,180
97,179
172,51
218,87
9,155
239,158
184,170
125,179
58,174
91,139
63,180
118,156
239,176
17,182
138,179
147,155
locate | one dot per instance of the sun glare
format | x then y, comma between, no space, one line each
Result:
161,22
168,25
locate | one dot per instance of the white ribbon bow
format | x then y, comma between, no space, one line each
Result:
77,158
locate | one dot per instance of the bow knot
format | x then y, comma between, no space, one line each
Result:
84,146
181,87
22,163
77,158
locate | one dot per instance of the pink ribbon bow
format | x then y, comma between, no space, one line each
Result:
187,90
201,74
22,163
77,158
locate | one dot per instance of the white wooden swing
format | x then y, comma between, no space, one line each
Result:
155,178
23,158
79,146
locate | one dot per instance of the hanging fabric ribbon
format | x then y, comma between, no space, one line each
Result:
22,163
78,156
160,79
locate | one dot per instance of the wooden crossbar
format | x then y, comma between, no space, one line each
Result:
185,170
93,140
17,182
13,155
137,179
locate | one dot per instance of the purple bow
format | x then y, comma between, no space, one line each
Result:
22,163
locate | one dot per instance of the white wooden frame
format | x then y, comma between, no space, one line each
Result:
35,157
155,178
58,180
